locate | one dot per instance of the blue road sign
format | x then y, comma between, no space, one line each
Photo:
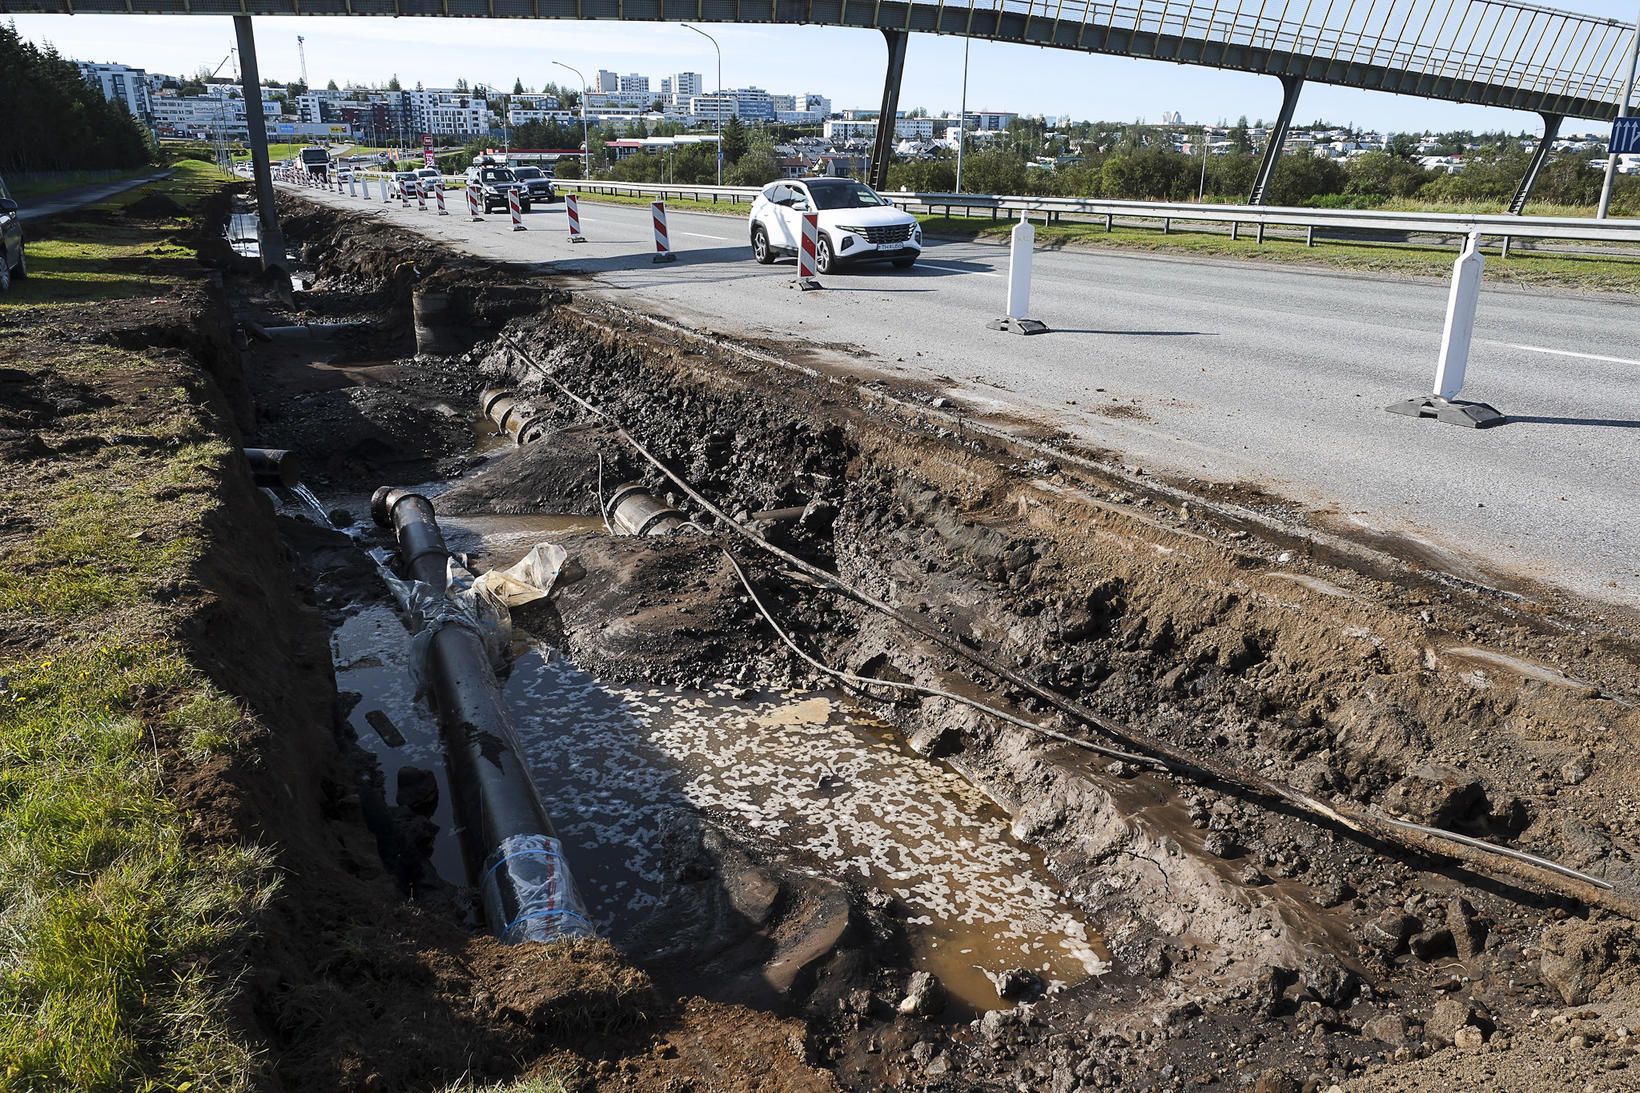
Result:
1625,136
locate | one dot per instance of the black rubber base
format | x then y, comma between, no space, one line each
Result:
667,257
1470,415
806,283
1018,326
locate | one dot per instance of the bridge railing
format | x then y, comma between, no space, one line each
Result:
1457,225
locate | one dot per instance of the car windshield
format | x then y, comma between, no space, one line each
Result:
844,194
497,174
526,172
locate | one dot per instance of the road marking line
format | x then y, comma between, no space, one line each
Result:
957,269
698,235
1569,353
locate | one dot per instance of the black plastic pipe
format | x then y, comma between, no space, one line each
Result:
273,467
523,880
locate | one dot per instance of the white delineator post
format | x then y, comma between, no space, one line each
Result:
1453,362
663,243
517,211
572,213
472,202
805,253
383,181
352,185
1021,245
438,192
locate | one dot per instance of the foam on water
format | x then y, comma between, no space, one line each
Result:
818,785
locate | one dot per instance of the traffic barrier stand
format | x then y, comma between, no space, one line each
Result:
1021,244
805,253
385,198
663,243
1441,403
472,204
438,192
404,196
352,185
516,211
572,213
421,195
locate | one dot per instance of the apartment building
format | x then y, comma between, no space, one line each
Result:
122,84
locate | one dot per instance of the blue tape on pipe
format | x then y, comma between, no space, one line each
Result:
528,892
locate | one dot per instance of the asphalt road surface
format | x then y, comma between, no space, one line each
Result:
1264,375
62,201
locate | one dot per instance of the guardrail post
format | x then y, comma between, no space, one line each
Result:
1454,359
1261,233
1108,219
1021,244
1309,235
1167,225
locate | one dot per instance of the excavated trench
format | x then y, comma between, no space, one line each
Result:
744,825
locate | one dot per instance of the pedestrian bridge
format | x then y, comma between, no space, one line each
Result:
1486,52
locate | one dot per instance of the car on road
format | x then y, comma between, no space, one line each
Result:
404,183
493,185
430,177
13,264
856,224
537,182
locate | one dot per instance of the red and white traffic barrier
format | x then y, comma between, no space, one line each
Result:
516,211
438,192
572,213
805,253
421,194
472,203
663,243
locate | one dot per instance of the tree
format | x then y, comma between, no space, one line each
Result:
518,86
55,120
192,87
1239,137
734,140
393,83
331,86
461,87
758,164
1298,178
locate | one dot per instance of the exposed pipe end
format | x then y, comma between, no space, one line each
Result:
274,467
385,499
487,398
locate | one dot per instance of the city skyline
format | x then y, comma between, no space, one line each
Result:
777,58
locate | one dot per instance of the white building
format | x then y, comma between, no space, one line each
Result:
607,82
634,84
214,114
118,83
813,104
842,131
443,112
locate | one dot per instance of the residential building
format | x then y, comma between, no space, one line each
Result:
751,104
843,131
607,82
634,84
119,83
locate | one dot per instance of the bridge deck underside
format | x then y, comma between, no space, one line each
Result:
1471,78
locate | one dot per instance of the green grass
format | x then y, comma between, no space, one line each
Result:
722,208
116,926
1584,272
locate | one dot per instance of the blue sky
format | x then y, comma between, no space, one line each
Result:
844,64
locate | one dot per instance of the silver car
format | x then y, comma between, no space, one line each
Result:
12,261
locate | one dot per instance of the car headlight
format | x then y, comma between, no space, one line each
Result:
856,231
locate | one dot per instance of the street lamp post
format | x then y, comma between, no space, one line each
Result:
718,112
586,141
962,115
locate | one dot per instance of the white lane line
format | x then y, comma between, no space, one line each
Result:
958,269
1567,353
698,235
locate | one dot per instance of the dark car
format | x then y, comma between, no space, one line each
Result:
493,184
537,183
12,262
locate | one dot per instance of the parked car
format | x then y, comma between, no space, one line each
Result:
13,264
537,182
856,224
493,184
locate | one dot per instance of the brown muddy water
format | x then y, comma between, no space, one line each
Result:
808,778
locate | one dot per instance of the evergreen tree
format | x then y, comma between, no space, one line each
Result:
734,140
331,86
54,119
393,83
518,86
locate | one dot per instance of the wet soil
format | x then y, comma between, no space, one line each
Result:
1247,946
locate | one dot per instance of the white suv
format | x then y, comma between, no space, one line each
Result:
857,224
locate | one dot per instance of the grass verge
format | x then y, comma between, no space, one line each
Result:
115,926
1582,272
28,187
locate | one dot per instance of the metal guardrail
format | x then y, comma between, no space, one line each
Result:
1495,225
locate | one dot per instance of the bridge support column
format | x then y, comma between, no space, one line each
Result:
882,151
1290,87
1551,130
250,82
